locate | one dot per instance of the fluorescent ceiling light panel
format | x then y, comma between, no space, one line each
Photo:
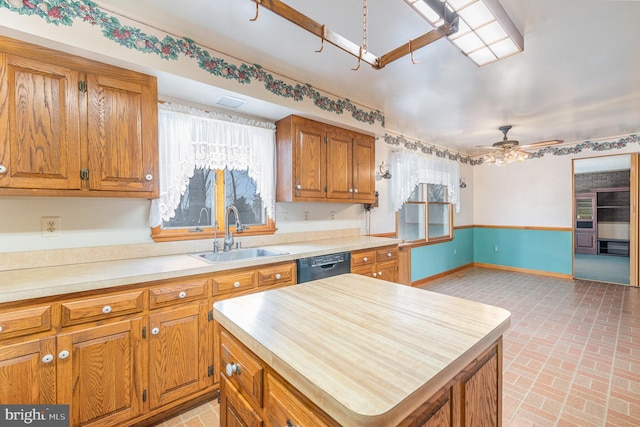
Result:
485,31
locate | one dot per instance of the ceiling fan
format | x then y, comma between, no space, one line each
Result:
511,150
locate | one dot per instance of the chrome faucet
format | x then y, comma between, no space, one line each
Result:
228,236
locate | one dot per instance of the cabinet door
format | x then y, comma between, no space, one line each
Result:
179,353
284,408
482,393
28,373
100,373
309,160
339,165
364,186
122,135
235,411
39,125
387,271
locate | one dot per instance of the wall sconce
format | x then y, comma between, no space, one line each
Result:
384,171
463,183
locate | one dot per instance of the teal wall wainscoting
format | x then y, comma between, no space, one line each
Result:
530,249
427,261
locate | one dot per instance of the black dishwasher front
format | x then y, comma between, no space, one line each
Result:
321,266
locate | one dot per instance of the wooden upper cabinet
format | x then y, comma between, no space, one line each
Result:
320,162
74,127
310,177
39,125
122,134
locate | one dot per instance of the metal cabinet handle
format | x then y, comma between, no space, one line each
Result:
278,276
236,284
155,331
3,168
48,358
232,368
182,294
106,309
63,354
290,424
148,177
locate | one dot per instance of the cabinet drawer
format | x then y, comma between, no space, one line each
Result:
282,274
25,321
363,258
284,408
241,368
91,309
233,282
387,254
177,292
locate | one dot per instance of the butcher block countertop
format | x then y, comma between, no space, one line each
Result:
365,351
80,276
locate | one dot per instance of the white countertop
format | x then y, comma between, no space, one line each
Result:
40,282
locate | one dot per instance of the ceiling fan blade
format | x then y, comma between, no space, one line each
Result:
543,143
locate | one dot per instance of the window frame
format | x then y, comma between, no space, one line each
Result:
158,234
427,240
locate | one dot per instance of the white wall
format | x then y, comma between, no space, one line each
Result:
535,193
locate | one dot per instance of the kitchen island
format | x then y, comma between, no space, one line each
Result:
355,351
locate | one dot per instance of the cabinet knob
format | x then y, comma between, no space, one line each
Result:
351,190
379,273
48,358
365,259
155,331
389,254
278,276
236,284
106,309
290,424
148,177
0,328
375,274
182,294
231,368
3,168
63,354
356,190
299,187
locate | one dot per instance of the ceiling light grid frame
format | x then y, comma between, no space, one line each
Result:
485,33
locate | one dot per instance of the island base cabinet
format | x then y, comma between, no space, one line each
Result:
284,408
472,399
235,411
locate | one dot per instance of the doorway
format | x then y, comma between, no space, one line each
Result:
602,228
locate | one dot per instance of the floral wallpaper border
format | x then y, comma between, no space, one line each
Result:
65,12
414,145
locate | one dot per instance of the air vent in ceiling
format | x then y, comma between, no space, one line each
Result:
231,101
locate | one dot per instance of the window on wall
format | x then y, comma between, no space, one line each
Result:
426,215
207,165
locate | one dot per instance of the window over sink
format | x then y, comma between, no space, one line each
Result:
208,162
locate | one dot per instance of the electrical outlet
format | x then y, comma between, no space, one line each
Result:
51,226
332,216
455,251
306,216
284,216
495,249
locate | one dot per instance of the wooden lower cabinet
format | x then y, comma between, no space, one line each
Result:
180,353
381,263
28,372
235,411
100,373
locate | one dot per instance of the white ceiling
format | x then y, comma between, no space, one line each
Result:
577,79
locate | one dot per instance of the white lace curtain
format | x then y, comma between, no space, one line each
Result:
410,169
189,138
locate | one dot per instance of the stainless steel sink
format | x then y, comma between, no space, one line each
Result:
237,254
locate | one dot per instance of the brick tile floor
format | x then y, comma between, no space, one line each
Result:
571,355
